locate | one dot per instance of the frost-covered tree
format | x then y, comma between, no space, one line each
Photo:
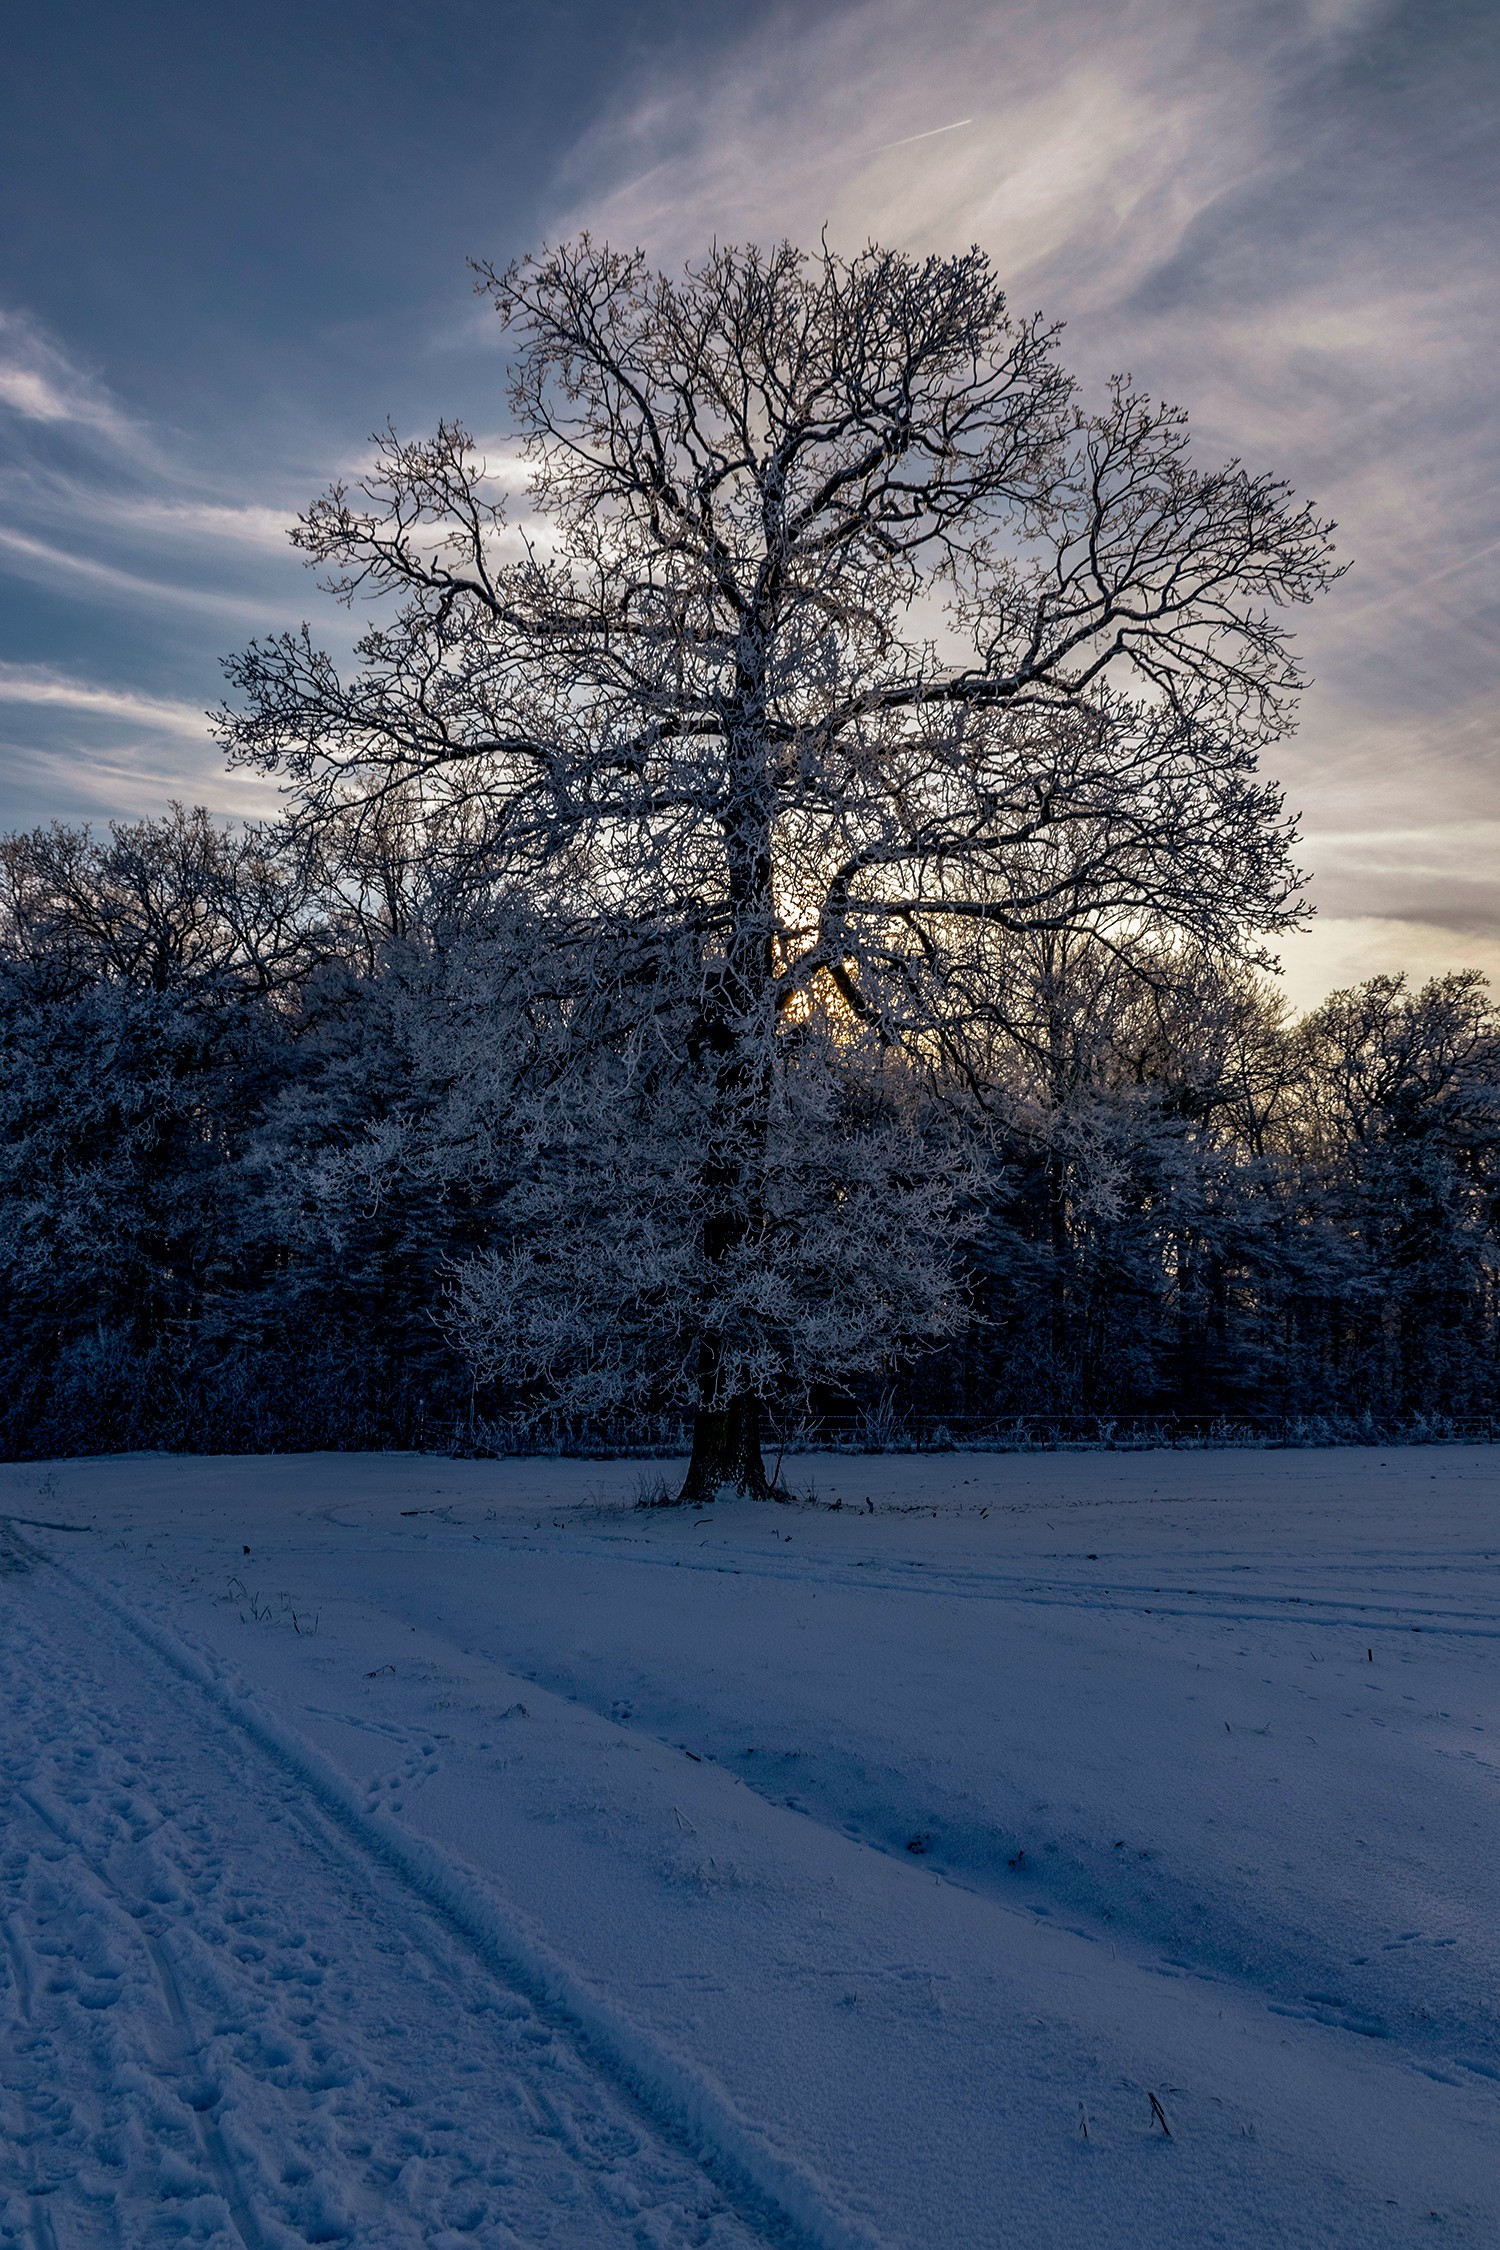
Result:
1124,1107
603,1283
141,974
827,605
1399,1126
239,1172
176,905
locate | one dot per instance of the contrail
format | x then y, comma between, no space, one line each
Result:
1418,585
930,135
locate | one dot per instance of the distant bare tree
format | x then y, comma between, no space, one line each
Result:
832,612
177,904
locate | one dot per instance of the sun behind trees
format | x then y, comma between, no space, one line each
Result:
839,647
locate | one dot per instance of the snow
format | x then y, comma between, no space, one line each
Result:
479,1858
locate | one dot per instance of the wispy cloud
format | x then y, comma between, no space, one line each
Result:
1280,215
101,778
1081,123
39,558
78,748
39,382
122,569
263,529
117,510
1340,950
24,683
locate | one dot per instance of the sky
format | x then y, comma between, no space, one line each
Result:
233,243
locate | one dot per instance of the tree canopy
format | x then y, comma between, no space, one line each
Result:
831,647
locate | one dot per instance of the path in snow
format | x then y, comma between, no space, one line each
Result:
224,2024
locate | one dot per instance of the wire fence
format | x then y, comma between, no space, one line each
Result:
886,1430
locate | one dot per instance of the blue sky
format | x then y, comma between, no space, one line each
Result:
232,242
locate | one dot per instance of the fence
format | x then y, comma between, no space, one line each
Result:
884,1429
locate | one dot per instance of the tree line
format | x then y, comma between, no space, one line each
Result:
773,917
289,1164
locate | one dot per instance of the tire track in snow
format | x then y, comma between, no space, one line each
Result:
199,2094
15,1563
570,2131
1230,1606
1177,1912
38,2217
781,2201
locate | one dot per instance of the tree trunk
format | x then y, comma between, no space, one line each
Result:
726,1451
736,1045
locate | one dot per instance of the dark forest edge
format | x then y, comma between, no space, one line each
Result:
254,1122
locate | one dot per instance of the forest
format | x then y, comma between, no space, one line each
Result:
255,1137
771,930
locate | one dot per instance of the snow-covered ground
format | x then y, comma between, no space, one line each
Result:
1071,1850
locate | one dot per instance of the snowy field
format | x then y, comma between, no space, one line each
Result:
1064,1850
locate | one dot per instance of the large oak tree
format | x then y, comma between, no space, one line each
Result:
835,636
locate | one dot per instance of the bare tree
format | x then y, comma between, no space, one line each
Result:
177,904
831,612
